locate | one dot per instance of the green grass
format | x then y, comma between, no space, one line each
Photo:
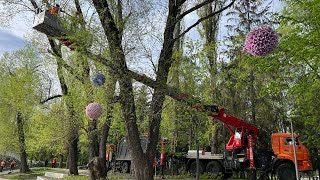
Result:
111,175
30,175
72,177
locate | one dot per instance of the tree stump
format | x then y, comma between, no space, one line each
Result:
95,167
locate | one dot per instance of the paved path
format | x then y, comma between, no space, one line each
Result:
7,171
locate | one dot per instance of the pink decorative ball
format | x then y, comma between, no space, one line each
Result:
261,41
93,110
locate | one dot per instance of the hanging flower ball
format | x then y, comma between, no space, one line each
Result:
93,110
261,41
98,79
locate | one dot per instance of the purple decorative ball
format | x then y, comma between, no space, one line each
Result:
261,41
93,110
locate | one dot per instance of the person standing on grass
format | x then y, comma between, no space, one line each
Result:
3,163
12,165
55,162
53,165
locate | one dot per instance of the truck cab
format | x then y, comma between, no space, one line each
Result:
282,146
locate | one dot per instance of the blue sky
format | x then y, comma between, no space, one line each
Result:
12,38
9,41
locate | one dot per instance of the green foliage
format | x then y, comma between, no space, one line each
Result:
142,108
48,132
180,176
299,57
117,130
205,176
20,80
76,177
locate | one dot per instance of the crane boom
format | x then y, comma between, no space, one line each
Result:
236,123
239,128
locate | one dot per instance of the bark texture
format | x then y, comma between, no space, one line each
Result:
23,155
111,85
142,162
73,139
93,144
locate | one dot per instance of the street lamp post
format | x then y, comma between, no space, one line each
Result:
294,151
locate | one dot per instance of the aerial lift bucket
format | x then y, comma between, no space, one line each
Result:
48,24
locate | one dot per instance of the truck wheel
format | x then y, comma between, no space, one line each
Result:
286,172
215,168
193,167
125,167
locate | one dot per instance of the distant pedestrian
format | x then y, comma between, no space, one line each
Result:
12,165
53,163
46,163
3,163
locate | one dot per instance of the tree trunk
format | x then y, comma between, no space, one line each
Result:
73,139
111,85
216,140
73,155
68,161
142,165
252,97
211,27
93,139
61,161
23,155
102,148
142,162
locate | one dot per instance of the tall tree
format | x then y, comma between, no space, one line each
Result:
211,30
246,15
20,94
298,65
141,161
113,28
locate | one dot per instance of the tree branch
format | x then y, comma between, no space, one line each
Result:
202,19
79,11
173,92
311,67
50,98
34,4
108,23
67,67
193,9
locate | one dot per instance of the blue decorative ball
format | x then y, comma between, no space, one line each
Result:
98,79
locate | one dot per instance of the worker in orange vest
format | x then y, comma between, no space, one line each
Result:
55,10
3,163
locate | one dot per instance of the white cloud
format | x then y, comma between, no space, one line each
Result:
9,42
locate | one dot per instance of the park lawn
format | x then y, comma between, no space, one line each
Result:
30,175
125,176
111,175
79,177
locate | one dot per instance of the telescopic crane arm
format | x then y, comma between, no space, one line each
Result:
239,128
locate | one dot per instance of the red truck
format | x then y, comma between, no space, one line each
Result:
240,154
